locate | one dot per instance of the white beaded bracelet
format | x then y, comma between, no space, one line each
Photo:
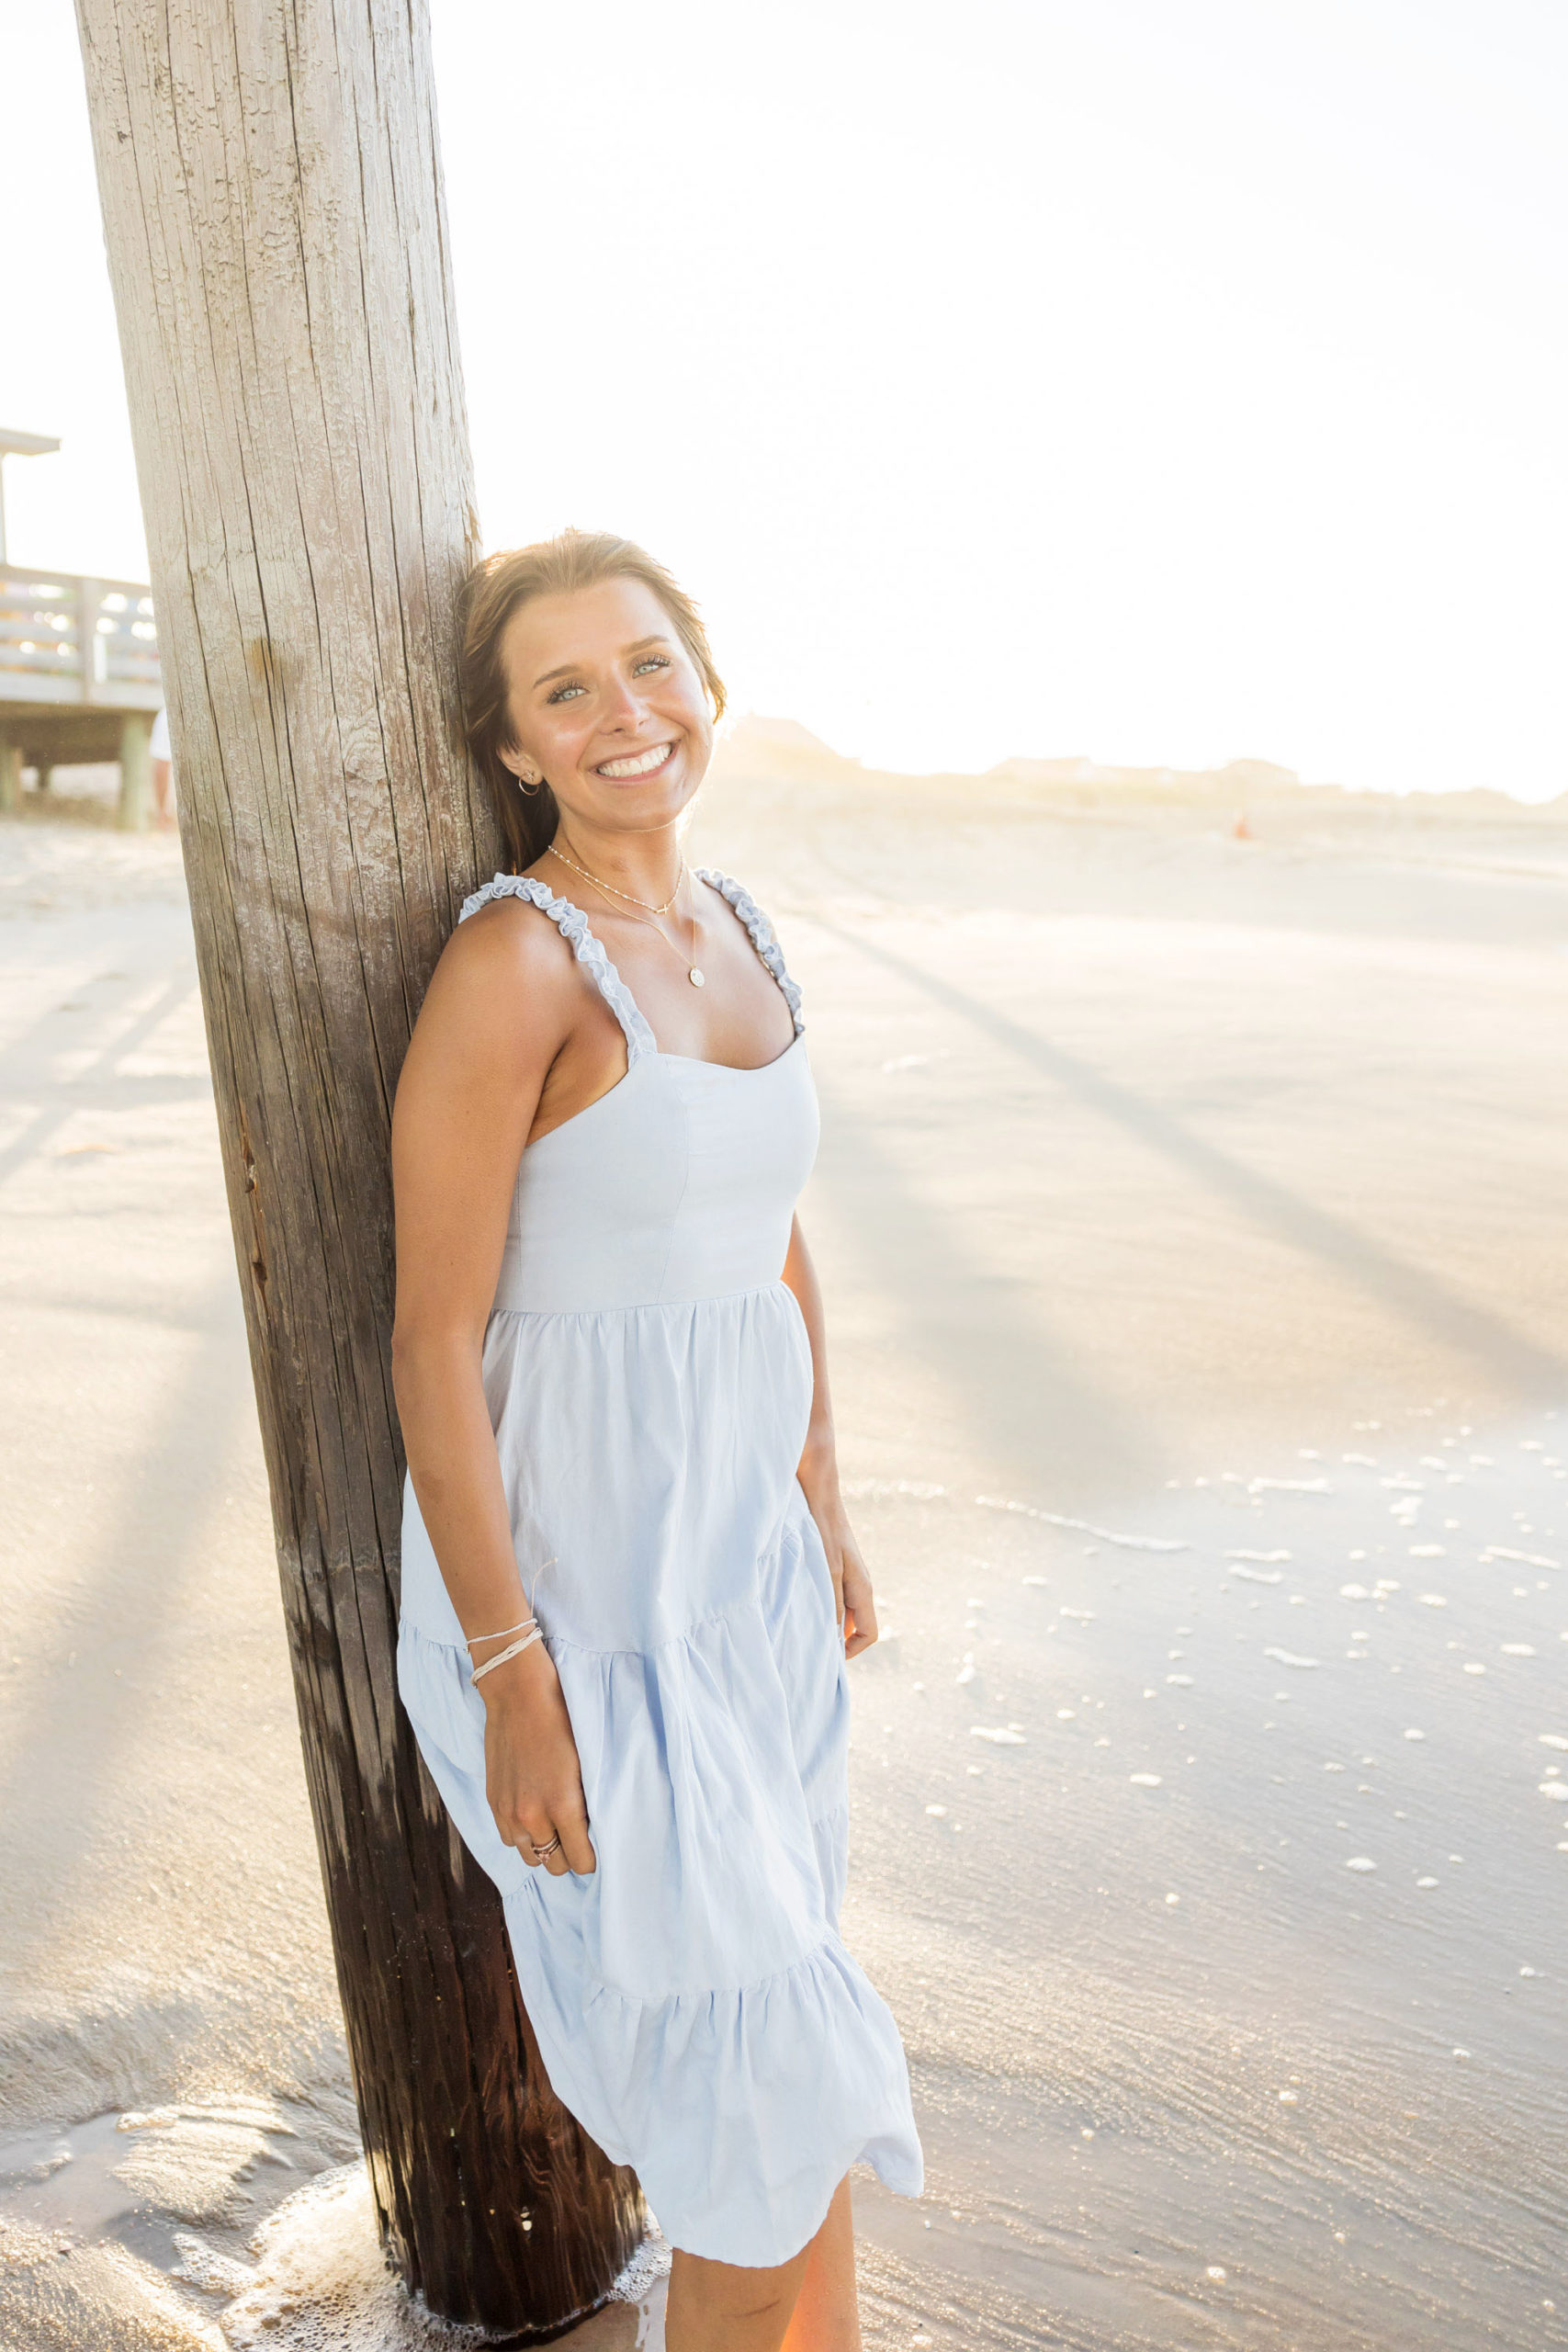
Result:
516,1650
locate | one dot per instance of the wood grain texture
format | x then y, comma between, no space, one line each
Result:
274,216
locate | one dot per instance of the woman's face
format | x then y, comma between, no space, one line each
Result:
607,705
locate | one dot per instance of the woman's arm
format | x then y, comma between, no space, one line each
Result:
819,1471
498,1010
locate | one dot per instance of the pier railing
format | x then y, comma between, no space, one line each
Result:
68,640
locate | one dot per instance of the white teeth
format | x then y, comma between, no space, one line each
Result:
641,765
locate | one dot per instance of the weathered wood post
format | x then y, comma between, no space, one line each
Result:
276,239
10,773
135,805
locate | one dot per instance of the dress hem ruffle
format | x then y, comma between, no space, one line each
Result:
841,2050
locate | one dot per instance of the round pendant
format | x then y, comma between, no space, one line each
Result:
695,978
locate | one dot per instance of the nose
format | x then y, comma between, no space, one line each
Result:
622,704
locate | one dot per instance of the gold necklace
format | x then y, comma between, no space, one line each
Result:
566,859
694,970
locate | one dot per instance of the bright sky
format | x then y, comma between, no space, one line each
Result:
1045,377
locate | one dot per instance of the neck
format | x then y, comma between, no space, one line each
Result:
646,864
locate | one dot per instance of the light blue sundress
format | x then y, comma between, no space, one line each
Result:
648,1377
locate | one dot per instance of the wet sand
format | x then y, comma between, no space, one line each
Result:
1182,1198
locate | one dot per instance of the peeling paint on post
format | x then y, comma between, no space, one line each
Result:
272,204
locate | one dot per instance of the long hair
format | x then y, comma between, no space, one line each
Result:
493,591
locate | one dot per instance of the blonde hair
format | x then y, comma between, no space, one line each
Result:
493,593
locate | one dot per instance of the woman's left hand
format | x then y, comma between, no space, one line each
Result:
853,1599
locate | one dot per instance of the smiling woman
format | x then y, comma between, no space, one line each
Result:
499,592
629,1585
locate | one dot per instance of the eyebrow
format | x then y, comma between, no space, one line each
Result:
567,668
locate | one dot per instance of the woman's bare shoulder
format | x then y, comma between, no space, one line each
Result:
504,977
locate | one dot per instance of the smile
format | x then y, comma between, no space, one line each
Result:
644,763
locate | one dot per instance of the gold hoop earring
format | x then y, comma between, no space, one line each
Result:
529,789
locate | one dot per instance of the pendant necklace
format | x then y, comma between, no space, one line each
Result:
694,971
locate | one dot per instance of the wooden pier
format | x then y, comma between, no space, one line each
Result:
80,682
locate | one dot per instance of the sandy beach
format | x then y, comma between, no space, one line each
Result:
1189,1215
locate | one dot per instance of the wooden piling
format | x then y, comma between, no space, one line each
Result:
273,213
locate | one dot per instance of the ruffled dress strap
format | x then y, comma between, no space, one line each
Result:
763,938
573,924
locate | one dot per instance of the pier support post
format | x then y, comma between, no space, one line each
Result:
135,803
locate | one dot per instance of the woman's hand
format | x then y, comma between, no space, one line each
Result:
531,1776
852,1598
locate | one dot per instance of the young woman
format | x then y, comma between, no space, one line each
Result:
629,1587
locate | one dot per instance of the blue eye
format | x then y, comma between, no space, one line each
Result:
651,661
561,693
